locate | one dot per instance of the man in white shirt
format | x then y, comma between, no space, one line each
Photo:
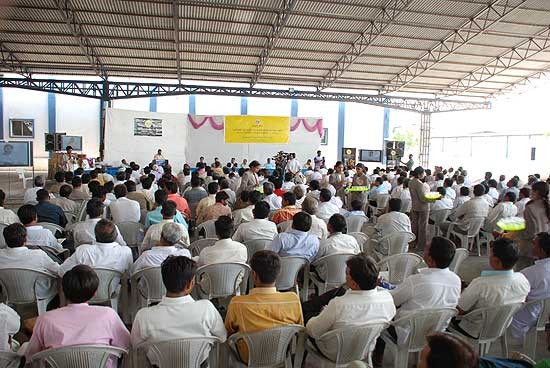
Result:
462,198
318,226
7,217
225,249
84,232
326,209
288,184
244,215
105,253
502,210
30,194
36,234
538,276
475,207
497,287
259,228
154,232
206,202
524,198
337,241
388,223
444,203
314,189
274,201
16,255
449,191
362,303
168,245
166,321
124,209
493,192
63,201
293,166
459,184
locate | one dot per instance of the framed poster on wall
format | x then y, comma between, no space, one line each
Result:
324,138
21,128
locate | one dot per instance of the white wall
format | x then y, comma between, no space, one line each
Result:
329,112
217,105
364,128
176,104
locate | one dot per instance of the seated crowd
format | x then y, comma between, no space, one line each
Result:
308,216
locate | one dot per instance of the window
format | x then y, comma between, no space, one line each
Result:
22,128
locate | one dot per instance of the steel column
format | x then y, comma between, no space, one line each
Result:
425,135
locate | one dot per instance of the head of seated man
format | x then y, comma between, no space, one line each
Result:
289,199
449,351
171,235
80,284
394,205
224,227
168,211
160,197
337,224
440,253
261,210
356,205
42,196
503,254
213,188
268,188
76,182
361,272
27,215
301,222
120,191
105,232
95,208
310,206
325,195
222,197
65,191
465,192
15,235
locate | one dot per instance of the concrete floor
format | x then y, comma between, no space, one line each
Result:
471,268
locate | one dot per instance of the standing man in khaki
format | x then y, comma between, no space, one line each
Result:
420,210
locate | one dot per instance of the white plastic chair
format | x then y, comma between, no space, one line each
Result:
399,266
81,212
147,287
438,217
132,233
361,238
108,289
284,226
71,217
333,268
81,356
381,204
19,287
9,359
208,227
493,324
267,348
417,326
220,280
530,340
198,245
352,343
53,228
21,173
355,223
179,353
471,236
2,240
290,266
394,243
254,245
460,256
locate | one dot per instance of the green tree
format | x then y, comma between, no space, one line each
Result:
408,136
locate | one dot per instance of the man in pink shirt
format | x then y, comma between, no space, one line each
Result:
171,189
78,323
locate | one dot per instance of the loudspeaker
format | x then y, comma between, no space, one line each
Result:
400,149
49,142
533,153
395,149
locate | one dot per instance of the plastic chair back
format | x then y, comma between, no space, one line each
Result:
290,266
198,245
9,359
421,323
267,348
460,256
19,284
81,356
474,226
355,223
208,227
361,238
382,200
400,266
148,283
132,232
542,309
439,216
53,228
81,213
222,279
352,342
284,226
179,353
494,320
2,240
254,245
333,268
106,291
397,242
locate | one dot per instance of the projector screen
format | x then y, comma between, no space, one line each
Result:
71,140
15,154
370,155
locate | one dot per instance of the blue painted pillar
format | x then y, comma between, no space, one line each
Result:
385,132
153,104
51,113
294,108
192,104
1,113
244,105
341,127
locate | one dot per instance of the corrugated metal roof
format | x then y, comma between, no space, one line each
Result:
222,40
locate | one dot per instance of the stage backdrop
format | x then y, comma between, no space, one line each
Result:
187,137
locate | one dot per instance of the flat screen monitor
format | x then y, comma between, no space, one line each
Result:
370,155
13,154
71,140
161,162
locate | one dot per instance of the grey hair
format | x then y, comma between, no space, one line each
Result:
309,205
172,232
